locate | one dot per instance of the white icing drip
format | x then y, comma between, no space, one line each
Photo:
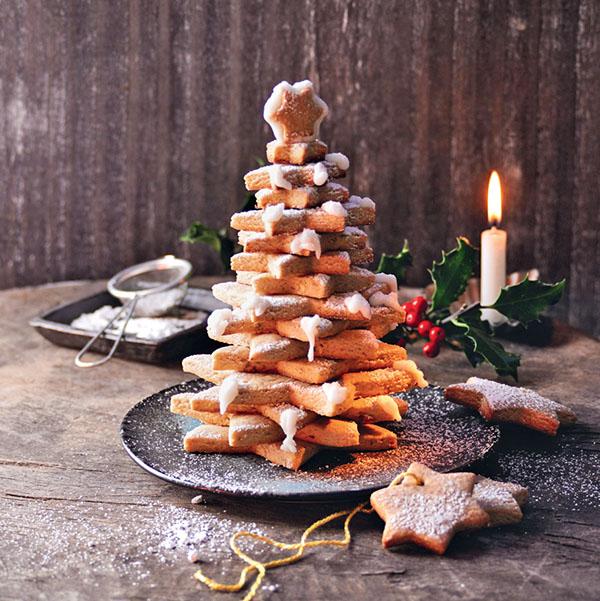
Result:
334,392
320,175
334,208
379,299
227,392
219,320
307,240
274,102
277,179
357,303
339,159
389,279
256,303
289,424
356,201
309,326
273,213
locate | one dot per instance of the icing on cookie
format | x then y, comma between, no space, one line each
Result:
339,159
389,279
228,390
320,175
357,201
307,240
219,320
273,213
277,178
334,208
309,326
256,303
357,303
335,392
289,424
295,112
379,299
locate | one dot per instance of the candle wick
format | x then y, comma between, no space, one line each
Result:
494,223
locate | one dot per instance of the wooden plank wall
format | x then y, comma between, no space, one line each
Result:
122,121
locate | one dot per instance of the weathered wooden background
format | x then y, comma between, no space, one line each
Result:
121,122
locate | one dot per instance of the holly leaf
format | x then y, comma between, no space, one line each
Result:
396,264
493,352
458,341
526,300
451,275
475,338
217,239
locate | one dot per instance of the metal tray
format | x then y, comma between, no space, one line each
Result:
54,325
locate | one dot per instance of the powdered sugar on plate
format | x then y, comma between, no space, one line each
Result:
429,433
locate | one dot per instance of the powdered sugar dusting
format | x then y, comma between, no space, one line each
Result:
433,514
501,396
427,434
154,537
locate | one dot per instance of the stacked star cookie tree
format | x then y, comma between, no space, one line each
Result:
305,368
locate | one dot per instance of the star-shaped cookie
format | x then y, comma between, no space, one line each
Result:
499,402
428,510
295,112
502,501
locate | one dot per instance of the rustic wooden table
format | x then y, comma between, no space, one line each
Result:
80,520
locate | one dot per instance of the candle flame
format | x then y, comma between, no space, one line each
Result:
494,200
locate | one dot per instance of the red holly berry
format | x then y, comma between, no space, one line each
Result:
419,304
431,349
424,328
407,307
401,342
412,319
437,334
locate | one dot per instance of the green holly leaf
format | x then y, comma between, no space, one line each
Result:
471,316
458,341
217,239
493,352
526,300
451,275
474,337
396,264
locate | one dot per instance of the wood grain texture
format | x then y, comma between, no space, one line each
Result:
122,122
81,521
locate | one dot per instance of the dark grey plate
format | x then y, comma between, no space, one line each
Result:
55,326
439,434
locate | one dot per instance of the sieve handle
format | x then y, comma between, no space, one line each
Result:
130,304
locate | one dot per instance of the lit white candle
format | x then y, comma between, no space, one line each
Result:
493,254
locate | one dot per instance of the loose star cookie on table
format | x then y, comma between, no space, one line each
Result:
428,509
295,112
499,402
502,501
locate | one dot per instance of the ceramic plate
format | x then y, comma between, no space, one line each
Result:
439,434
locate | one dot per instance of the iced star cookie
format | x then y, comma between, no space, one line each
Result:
499,402
295,112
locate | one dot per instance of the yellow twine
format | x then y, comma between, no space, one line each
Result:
261,567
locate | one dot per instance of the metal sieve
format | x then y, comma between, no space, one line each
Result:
148,289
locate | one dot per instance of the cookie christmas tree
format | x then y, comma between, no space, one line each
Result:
304,369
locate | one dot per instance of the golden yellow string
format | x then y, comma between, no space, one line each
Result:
261,567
